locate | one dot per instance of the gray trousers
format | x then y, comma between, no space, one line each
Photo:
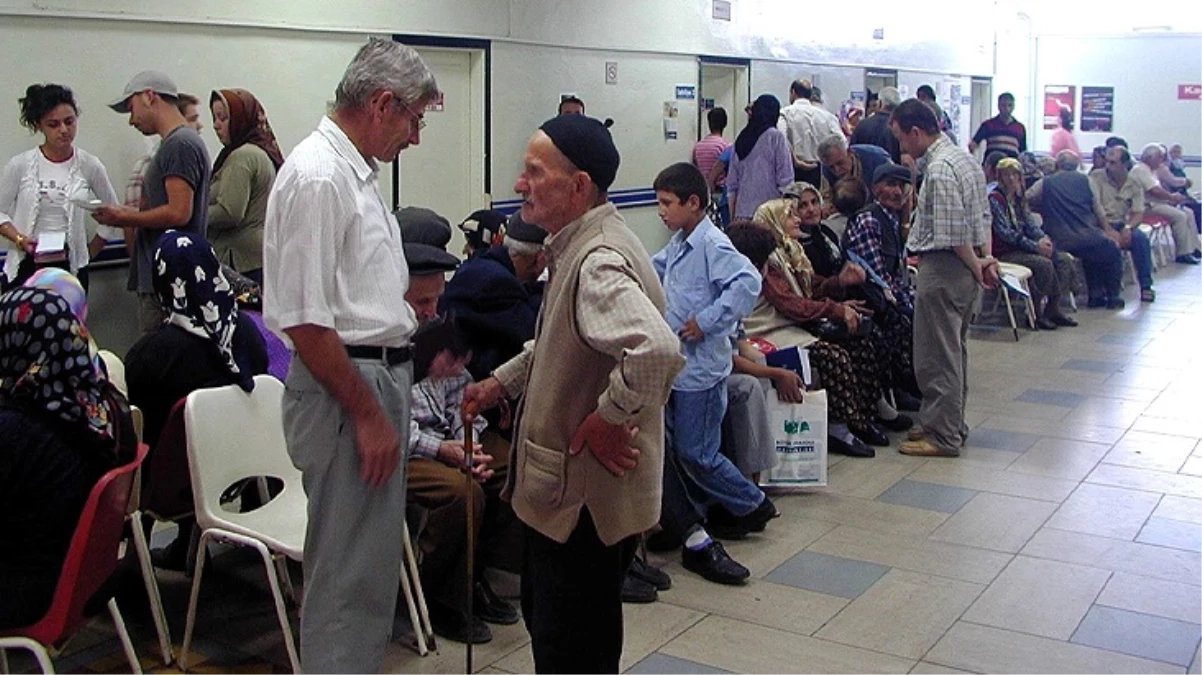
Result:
353,545
943,309
746,431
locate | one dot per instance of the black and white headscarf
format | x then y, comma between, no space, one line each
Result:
197,297
45,361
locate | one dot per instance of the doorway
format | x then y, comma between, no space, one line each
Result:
982,106
448,172
725,83
876,79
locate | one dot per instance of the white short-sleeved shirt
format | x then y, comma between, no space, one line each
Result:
332,253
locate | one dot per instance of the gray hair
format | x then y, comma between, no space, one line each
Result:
385,64
518,247
1067,160
890,98
1151,152
829,146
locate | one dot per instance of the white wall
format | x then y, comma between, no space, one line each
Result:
1146,108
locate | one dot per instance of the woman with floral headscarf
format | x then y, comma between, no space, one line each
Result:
849,369
242,177
62,426
205,342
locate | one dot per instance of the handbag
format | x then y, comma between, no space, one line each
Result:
834,331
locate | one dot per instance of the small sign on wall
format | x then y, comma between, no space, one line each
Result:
611,72
671,115
686,92
707,104
721,10
1189,92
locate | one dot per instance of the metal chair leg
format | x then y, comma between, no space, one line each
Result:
122,633
1009,311
152,587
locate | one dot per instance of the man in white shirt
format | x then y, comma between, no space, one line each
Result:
805,125
1161,202
334,262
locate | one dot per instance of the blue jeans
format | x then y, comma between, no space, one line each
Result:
1141,256
694,419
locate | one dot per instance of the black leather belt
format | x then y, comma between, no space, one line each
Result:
391,355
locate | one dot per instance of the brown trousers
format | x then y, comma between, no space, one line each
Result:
443,492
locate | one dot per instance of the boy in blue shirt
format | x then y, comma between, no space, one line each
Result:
710,287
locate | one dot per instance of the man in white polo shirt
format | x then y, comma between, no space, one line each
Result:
334,263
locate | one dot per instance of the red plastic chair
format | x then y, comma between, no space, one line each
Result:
91,560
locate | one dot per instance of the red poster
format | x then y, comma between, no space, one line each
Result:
1189,92
1055,98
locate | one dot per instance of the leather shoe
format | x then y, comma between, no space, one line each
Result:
491,607
899,423
725,525
855,448
1094,303
637,591
1187,260
453,624
925,448
713,563
869,433
1062,320
652,575
1115,303
1044,323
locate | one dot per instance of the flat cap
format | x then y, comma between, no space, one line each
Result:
891,170
424,260
522,231
423,226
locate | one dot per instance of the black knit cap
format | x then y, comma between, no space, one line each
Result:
586,143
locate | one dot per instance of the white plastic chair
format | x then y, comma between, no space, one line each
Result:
233,435
1024,276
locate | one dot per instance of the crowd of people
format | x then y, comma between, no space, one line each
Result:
558,395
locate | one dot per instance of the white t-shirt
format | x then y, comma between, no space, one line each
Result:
53,191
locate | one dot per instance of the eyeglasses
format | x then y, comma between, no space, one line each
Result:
421,121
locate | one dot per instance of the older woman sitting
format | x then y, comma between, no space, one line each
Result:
1019,240
62,426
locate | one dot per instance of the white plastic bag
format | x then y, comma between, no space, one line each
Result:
799,435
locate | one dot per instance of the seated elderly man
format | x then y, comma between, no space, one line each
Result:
1161,202
495,296
1074,219
840,161
436,453
1123,203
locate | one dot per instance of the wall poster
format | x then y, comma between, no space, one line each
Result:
1055,98
1097,109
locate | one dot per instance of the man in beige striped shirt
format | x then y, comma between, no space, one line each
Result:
596,376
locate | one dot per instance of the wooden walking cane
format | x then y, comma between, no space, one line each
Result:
469,415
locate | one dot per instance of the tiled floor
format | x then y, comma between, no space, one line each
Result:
1066,538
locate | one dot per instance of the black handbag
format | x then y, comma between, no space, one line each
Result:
834,331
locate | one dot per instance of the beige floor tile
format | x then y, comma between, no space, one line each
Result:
450,655
1164,425
987,458
985,479
925,668
1106,511
995,522
917,554
1151,378
760,602
1180,485
746,648
1195,667
1192,466
1024,410
1179,508
1117,555
904,613
992,650
1107,412
866,514
1144,450
869,478
646,629
1060,458
1152,596
1064,593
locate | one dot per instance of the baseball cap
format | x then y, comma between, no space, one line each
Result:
153,80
